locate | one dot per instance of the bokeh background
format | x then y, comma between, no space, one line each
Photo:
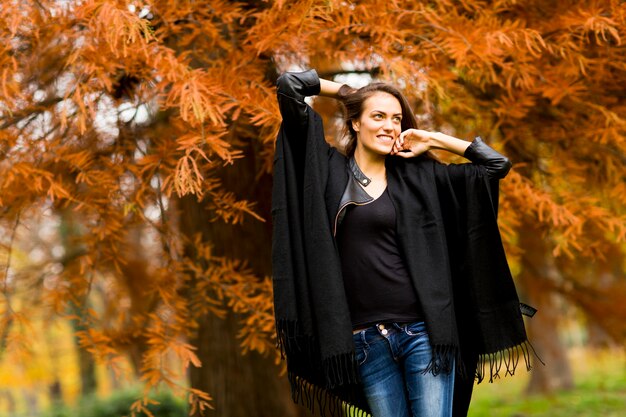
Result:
136,151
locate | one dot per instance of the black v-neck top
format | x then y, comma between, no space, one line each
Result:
377,283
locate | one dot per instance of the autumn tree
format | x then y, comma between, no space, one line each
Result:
110,115
152,126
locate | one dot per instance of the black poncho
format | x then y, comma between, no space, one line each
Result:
447,230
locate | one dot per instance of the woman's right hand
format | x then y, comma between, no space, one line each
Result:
412,142
344,91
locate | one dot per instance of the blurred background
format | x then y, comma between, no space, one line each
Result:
136,152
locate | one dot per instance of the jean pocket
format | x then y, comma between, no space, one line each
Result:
415,329
361,348
361,354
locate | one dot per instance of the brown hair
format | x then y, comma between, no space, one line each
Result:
353,104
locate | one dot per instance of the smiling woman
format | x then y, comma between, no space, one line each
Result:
378,281
379,124
384,106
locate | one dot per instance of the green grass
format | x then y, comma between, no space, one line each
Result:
581,402
600,391
118,405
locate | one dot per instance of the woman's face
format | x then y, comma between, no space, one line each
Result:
379,124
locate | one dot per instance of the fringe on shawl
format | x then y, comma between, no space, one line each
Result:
505,361
339,374
329,404
444,359
341,371
338,370
286,339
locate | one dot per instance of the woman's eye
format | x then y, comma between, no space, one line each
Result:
378,116
397,120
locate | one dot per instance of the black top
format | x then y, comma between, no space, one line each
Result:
378,285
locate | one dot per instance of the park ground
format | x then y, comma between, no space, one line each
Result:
600,391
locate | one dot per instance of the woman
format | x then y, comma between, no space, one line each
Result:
389,271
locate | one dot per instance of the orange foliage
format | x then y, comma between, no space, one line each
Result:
113,110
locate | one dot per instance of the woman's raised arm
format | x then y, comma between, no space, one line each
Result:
330,88
413,142
291,89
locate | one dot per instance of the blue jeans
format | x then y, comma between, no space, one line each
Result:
391,360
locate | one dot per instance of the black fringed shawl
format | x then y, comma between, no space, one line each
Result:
446,228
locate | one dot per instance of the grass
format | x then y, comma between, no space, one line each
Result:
600,390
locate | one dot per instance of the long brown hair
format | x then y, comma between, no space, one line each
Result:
353,105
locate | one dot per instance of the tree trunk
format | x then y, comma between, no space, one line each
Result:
9,401
86,363
69,233
55,393
240,385
537,269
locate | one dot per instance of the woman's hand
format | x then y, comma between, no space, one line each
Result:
412,142
344,91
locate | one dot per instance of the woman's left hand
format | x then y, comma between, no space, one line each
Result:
412,142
